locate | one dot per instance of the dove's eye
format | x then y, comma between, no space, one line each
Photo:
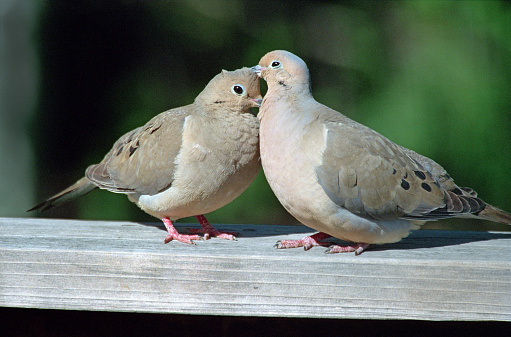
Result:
238,89
275,64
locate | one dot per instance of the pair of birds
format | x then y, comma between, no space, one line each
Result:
331,173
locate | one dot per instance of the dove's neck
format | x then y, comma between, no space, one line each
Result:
284,115
281,100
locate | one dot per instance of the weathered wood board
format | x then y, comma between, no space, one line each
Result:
125,267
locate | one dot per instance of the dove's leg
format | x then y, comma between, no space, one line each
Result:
174,235
209,230
359,248
307,242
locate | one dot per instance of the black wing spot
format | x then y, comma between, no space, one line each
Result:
426,187
405,184
155,129
420,174
120,150
132,150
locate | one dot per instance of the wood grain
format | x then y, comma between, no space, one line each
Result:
125,267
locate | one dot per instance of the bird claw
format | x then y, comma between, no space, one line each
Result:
307,242
174,234
359,248
182,238
315,240
209,232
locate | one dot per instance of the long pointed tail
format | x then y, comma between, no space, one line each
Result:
496,215
78,189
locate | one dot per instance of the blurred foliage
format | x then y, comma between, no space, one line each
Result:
434,76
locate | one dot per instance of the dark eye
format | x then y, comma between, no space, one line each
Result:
275,64
238,89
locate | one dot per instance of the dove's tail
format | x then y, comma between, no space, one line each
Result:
78,189
494,214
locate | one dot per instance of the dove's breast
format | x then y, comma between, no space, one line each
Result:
213,167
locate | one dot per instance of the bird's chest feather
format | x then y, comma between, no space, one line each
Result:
291,147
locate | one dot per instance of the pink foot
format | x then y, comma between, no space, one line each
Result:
359,248
209,230
174,235
307,242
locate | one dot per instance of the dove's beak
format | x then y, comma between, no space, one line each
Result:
258,101
257,69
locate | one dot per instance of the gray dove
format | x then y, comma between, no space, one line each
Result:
186,161
342,178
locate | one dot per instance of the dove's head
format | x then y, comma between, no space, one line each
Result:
236,90
280,68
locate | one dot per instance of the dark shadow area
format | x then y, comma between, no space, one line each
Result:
56,323
249,231
417,239
433,238
428,238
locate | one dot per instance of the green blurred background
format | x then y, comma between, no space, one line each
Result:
434,76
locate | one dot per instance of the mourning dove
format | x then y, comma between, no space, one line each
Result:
186,161
342,178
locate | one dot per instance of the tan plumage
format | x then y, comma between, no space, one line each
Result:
186,161
343,178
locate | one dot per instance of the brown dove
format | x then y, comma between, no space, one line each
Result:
342,178
186,161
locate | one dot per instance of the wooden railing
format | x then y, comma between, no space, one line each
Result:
125,267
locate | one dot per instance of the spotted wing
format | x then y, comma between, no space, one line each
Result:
371,176
143,160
